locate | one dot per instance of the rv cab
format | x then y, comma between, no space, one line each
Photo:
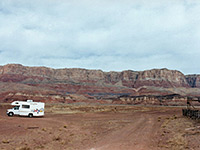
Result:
16,110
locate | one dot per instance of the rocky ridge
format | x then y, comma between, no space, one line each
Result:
18,82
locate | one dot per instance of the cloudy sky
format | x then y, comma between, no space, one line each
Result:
101,34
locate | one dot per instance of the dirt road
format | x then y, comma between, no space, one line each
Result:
144,129
139,134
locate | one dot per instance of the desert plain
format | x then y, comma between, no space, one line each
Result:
100,127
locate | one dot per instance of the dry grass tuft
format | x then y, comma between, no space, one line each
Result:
24,148
6,141
56,138
159,119
44,129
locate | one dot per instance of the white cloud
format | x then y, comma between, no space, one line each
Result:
101,34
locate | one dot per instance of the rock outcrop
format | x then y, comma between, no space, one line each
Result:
193,80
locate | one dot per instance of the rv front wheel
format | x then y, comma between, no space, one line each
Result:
30,115
10,114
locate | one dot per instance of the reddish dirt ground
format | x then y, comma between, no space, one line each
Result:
137,128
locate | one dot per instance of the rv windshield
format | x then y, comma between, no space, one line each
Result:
16,108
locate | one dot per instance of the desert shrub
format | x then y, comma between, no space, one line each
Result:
5,141
56,138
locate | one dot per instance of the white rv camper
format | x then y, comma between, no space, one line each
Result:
26,108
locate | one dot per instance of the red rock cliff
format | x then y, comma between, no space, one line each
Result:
17,81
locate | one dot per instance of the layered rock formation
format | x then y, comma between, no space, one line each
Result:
19,82
193,80
156,77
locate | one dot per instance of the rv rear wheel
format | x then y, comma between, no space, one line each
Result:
10,114
30,115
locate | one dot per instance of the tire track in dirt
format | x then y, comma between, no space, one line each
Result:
138,135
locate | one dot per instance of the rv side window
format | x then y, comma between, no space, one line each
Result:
26,106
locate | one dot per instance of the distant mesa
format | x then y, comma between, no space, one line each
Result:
18,82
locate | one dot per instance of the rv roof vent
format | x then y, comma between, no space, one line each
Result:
29,101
